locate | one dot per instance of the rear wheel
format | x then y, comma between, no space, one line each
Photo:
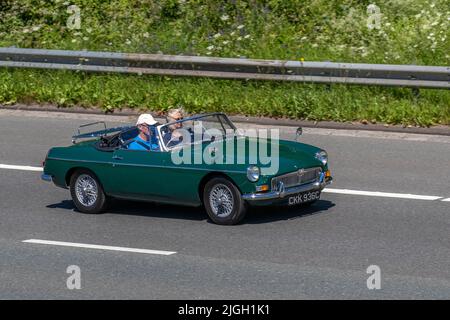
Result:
223,202
87,192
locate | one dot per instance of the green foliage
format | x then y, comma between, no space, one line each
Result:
291,100
411,32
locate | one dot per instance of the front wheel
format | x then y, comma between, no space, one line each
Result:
87,192
223,202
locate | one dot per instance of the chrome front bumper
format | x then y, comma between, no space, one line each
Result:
282,192
46,177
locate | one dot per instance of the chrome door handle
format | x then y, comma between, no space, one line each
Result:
117,158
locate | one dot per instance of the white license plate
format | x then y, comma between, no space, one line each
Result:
303,197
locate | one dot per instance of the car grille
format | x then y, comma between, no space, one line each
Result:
297,178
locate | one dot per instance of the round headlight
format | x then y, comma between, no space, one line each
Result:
322,156
253,173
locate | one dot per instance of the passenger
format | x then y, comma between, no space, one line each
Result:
173,137
147,138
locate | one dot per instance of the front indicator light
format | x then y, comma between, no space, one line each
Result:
262,188
328,178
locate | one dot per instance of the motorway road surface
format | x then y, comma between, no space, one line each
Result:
321,252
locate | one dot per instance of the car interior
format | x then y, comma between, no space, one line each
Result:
119,140
122,139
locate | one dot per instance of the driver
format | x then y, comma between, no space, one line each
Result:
173,136
147,139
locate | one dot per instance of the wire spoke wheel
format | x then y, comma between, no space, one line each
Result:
221,200
86,190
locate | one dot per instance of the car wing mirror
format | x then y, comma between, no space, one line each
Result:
298,133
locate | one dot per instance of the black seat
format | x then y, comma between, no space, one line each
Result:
129,134
127,137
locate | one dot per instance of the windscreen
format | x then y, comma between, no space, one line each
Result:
192,130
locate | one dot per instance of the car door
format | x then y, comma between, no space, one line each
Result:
140,174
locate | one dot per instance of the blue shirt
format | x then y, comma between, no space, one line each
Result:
135,145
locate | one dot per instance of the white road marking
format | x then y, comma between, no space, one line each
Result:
23,168
381,194
94,246
448,199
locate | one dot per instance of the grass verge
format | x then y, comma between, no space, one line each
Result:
252,98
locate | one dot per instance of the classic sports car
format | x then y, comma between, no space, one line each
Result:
102,167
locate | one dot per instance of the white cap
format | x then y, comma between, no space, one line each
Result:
147,119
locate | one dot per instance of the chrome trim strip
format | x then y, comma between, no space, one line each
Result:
46,177
146,165
79,160
175,167
283,192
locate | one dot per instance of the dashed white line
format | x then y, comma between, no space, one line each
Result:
381,194
99,247
23,168
448,199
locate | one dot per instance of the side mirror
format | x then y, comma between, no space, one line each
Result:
298,133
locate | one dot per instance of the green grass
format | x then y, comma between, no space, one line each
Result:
298,101
411,32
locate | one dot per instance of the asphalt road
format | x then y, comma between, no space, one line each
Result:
321,252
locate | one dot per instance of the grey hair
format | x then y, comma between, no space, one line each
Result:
173,111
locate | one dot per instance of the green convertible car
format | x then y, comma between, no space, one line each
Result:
211,163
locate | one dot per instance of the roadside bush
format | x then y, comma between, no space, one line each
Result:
407,32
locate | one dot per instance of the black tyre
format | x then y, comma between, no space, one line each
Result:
223,202
87,192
